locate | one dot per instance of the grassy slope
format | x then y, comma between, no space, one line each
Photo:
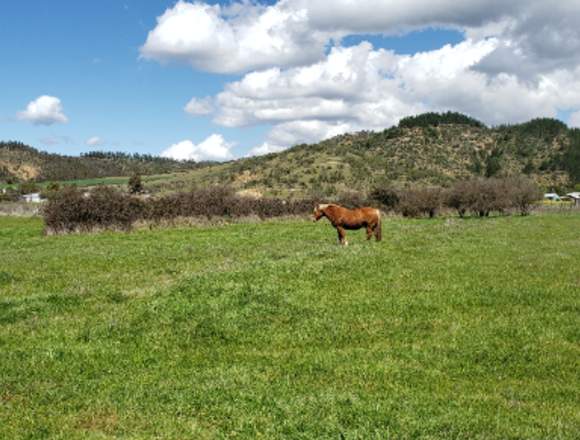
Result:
446,329
360,161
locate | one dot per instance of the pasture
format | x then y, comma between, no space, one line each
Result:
448,328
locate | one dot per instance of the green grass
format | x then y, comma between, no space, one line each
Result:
156,178
447,329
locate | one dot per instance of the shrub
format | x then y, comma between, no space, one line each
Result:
135,185
50,190
387,197
457,197
483,196
416,202
352,199
71,210
28,187
9,195
105,208
524,192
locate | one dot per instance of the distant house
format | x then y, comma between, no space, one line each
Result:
552,196
31,198
574,196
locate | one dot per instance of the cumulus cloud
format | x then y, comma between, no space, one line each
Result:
247,36
519,60
542,37
237,38
393,17
199,107
291,133
94,141
213,148
44,110
299,132
359,87
333,89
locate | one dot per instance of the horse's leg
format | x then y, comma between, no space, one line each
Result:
377,229
341,236
370,230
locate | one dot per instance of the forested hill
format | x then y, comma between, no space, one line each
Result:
428,149
432,148
20,162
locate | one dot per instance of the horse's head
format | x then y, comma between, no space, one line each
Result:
319,212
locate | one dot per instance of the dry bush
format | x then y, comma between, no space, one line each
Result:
418,202
524,193
458,197
352,199
482,196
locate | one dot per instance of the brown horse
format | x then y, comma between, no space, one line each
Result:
344,218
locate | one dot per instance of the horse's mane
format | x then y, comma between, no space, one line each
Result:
327,205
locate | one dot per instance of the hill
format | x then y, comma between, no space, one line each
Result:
431,148
427,149
20,162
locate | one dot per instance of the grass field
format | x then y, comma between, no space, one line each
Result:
447,329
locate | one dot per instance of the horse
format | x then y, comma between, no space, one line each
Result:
343,218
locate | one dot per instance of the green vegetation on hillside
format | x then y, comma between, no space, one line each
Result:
435,119
428,149
446,329
19,162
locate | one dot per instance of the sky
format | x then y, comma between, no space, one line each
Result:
218,80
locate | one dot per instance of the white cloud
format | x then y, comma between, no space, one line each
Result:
199,107
94,141
248,35
541,37
574,120
298,132
392,17
265,148
232,39
519,60
332,89
44,110
359,87
213,148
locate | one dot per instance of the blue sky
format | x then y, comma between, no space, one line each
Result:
87,54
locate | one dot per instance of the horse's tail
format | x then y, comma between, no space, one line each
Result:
379,227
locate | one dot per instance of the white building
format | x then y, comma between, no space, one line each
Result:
32,198
575,196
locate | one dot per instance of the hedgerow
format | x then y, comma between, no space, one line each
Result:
476,196
71,210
